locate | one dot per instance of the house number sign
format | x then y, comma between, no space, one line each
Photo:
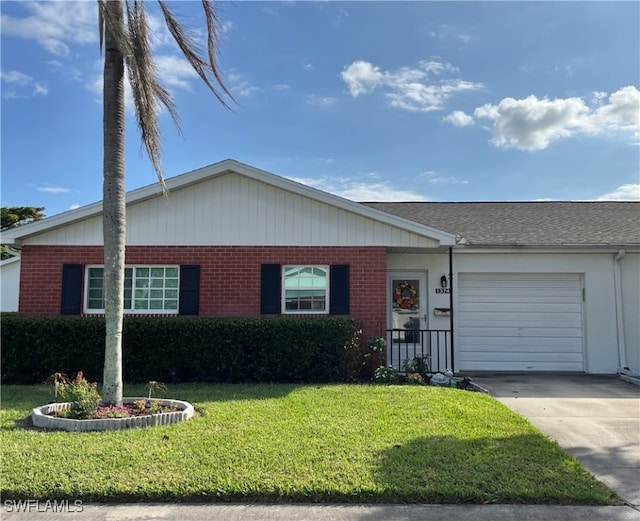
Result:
443,290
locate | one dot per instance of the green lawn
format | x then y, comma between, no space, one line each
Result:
329,443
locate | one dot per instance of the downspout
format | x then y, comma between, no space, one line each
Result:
453,365
617,288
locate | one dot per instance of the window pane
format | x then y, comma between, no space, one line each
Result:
305,288
144,288
96,272
142,293
305,300
157,283
95,294
157,272
155,304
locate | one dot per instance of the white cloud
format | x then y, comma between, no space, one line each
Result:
21,85
445,32
54,24
320,101
362,77
16,77
409,88
359,190
622,113
436,179
459,119
532,124
52,189
244,89
239,87
74,206
175,71
308,67
628,192
340,18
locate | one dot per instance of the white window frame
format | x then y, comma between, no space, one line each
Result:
285,311
132,310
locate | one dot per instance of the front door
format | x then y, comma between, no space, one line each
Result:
407,304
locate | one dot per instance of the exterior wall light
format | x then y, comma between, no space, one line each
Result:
443,281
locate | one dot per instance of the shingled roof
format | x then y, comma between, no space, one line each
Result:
528,223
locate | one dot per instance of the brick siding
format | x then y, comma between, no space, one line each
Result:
229,275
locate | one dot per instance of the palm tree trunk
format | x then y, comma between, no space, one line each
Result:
114,210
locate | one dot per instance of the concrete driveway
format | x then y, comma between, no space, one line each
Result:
594,418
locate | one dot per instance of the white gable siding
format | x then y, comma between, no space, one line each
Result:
9,284
237,211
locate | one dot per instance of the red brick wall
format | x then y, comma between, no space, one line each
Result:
229,275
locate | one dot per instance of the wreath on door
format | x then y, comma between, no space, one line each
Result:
405,295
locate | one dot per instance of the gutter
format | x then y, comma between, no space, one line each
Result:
623,368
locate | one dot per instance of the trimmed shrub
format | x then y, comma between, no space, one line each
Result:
281,349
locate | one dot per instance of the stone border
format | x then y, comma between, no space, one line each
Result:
40,417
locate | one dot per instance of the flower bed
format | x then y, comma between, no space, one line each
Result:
45,416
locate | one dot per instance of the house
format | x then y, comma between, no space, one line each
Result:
549,286
9,283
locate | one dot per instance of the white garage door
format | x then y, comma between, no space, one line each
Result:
519,322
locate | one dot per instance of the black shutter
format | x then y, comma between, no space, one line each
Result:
270,303
71,298
189,303
339,289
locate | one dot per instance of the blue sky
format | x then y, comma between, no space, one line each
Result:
434,101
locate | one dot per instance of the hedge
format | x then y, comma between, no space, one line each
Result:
280,349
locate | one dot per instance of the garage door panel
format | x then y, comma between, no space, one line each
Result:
542,366
515,294
521,320
515,333
505,344
525,357
519,307
527,321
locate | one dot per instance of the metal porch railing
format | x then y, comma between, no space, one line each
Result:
431,345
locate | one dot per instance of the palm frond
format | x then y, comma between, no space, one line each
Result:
134,43
191,51
146,89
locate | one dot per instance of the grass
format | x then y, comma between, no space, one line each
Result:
328,443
